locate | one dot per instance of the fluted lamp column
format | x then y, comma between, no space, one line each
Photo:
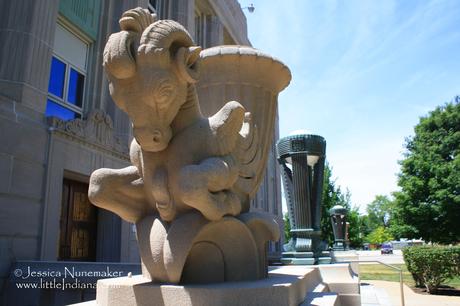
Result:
340,226
302,157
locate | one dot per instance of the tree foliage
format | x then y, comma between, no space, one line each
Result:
354,232
287,228
428,204
379,235
379,212
430,266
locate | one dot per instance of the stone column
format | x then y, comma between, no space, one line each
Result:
183,12
215,31
26,41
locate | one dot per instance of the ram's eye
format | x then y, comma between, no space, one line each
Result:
164,91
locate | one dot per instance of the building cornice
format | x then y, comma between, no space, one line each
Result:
95,132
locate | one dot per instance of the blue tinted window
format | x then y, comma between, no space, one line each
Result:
76,81
56,110
57,77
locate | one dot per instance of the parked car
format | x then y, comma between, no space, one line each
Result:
386,248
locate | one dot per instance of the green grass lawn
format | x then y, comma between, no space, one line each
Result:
380,272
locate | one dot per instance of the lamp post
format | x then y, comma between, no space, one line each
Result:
340,227
250,8
301,157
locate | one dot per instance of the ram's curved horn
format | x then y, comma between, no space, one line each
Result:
170,35
188,63
136,20
119,52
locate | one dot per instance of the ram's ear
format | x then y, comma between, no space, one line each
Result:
188,63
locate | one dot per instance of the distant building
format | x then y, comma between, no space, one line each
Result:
404,243
58,124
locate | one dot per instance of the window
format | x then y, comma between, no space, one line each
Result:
161,7
78,223
67,76
152,6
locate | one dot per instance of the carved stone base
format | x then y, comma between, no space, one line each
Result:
192,249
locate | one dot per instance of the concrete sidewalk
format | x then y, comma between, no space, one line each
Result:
412,298
374,296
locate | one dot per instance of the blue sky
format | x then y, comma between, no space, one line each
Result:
363,72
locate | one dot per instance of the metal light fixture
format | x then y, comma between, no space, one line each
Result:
302,158
250,8
340,226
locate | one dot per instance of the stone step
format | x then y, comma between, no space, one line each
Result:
349,299
321,287
321,299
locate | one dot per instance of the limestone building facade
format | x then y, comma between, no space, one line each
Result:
58,124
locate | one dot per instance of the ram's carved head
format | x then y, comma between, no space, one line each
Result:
149,65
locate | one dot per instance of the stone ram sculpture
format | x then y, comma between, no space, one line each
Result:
189,187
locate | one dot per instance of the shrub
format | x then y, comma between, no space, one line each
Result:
430,266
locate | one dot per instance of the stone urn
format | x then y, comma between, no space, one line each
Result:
252,78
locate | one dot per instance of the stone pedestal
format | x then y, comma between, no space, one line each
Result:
287,285
347,257
344,256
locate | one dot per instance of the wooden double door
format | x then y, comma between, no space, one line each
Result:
78,224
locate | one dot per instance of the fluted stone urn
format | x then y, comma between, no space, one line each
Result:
251,77
302,158
340,226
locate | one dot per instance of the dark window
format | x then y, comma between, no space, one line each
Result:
161,7
153,7
75,92
78,223
153,3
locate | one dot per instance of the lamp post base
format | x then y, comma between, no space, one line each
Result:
341,245
298,258
306,258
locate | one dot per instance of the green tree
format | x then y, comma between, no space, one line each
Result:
287,228
354,232
364,225
379,235
379,212
428,204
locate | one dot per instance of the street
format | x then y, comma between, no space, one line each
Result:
395,258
